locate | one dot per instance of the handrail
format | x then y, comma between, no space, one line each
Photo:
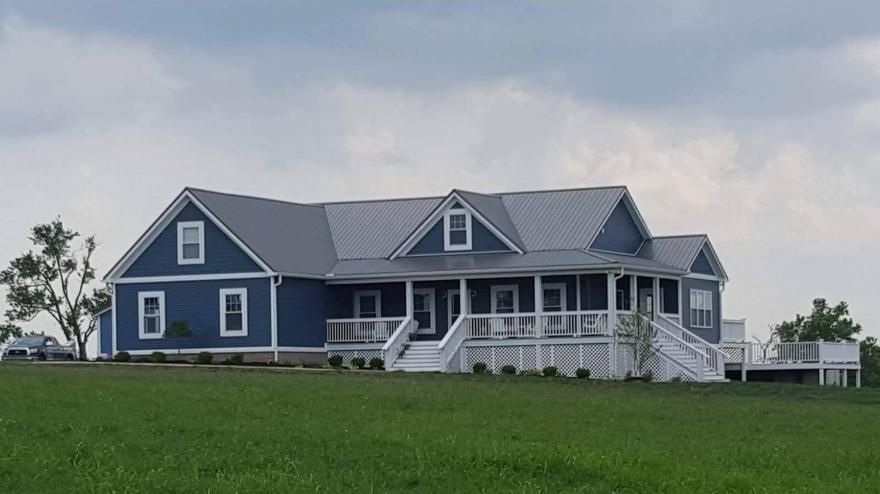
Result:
715,356
453,340
367,330
700,357
675,338
398,340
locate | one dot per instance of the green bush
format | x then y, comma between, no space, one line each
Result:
376,363
531,372
676,379
235,359
122,357
648,376
582,373
204,358
481,368
551,371
358,363
335,360
508,369
157,358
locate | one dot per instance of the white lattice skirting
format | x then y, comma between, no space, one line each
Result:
566,357
347,355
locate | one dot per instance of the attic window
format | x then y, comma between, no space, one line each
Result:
457,230
191,242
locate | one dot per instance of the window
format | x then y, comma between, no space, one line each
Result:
233,312
701,308
423,309
191,242
505,299
457,230
151,315
367,304
554,297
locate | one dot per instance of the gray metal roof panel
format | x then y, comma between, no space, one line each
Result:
373,229
289,237
492,208
561,219
639,262
675,251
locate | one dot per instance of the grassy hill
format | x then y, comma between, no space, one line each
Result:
128,429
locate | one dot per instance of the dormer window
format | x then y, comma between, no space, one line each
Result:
191,242
457,230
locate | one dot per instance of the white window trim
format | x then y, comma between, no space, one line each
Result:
562,287
450,294
430,292
142,296
498,288
190,224
367,293
447,246
709,308
242,292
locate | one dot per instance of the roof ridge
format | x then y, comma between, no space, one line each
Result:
247,196
392,199
566,189
498,196
682,235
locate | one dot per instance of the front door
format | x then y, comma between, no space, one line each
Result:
424,310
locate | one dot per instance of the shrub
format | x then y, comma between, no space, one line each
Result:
582,373
676,379
531,372
508,369
480,368
648,376
376,363
551,371
335,360
157,358
358,363
204,358
122,357
235,359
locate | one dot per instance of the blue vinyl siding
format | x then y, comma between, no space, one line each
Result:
482,302
221,253
482,240
702,265
105,342
341,299
713,334
198,303
620,233
301,312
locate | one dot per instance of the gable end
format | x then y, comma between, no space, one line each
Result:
621,232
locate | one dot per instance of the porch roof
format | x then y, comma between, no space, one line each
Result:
498,262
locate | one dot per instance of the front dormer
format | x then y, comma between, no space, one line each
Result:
457,229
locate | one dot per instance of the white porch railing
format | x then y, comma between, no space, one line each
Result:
517,325
362,330
572,323
398,340
714,356
451,343
803,352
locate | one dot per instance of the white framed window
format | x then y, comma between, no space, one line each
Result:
424,310
457,229
191,242
701,308
554,297
367,304
233,312
505,299
151,315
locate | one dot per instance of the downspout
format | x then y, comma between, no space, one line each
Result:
274,302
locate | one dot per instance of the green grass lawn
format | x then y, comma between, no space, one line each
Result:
128,429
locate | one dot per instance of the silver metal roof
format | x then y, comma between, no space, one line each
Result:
675,251
492,208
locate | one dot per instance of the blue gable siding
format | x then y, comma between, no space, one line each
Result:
301,312
482,240
620,233
713,334
105,342
198,303
221,253
702,265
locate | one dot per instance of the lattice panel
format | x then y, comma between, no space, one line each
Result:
347,355
735,355
567,358
661,368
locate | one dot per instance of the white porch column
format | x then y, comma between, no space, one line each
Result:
656,299
409,299
577,291
611,289
821,376
859,378
464,297
747,357
845,377
539,306
634,293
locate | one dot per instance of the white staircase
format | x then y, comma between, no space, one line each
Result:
687,360
703,360
419,356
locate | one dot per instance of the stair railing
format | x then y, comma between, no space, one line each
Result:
715,357
662,334
451,343
396,344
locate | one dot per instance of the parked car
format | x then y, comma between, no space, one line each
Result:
37,347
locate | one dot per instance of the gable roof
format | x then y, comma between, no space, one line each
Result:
492,208
679,251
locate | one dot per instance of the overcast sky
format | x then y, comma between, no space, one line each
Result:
755,122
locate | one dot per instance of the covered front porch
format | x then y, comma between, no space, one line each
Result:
568,305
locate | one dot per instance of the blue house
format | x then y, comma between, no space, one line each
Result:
528,279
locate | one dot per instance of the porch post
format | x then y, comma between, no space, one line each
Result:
577,290
409,299
656,304
845,377
858,378
463,297
539,307
634,293
747,357
821,376
611,289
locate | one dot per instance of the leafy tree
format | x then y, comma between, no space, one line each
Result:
824,323
869,350
636,333
9,332
178,330
53,279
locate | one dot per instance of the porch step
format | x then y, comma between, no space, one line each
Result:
419,356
